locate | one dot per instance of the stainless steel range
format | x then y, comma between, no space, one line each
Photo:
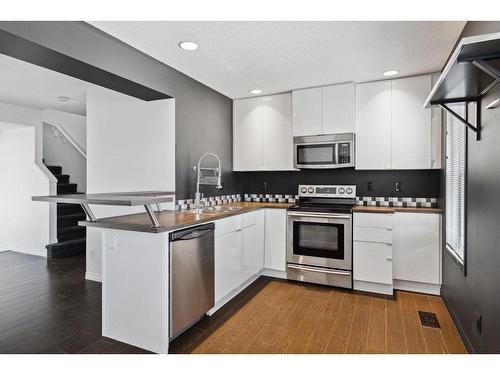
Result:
319,235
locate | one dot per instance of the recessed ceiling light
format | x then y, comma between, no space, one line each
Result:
62,99
188,46
255,92
390,73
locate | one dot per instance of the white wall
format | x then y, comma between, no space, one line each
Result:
24,225
59,150
130,147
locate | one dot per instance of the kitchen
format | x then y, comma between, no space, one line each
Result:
329,216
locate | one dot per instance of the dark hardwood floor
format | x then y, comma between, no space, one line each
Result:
49,307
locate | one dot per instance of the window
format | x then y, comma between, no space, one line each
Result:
456,156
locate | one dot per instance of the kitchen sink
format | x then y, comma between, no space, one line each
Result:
215,209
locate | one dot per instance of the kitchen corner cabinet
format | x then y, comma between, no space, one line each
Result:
417,244
393,130
262,133
323,110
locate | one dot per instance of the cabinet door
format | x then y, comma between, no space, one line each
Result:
338,109
247,134
373,125
277,148
306,109
275,239
416,247
411,123
227,263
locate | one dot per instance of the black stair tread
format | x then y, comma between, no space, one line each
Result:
71,216
55,169
74,228
62,178
66,184
68,243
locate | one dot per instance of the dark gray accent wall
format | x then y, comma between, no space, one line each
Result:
415,183
478,292
203,116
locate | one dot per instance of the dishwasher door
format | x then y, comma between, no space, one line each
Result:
192,291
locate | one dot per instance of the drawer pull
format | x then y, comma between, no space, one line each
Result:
388,258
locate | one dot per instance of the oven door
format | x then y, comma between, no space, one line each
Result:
318,239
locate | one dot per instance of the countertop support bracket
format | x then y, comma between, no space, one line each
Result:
89,212
152,216
475,128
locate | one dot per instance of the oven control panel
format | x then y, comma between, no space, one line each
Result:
328,191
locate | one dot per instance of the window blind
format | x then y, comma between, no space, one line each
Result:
455,183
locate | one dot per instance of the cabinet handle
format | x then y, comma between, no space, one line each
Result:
388,258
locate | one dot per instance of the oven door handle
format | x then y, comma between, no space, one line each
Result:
304,268
326,216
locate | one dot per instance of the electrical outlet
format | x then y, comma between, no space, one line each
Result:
92,253
371,186
397,186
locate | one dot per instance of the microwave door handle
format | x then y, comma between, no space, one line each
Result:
336,154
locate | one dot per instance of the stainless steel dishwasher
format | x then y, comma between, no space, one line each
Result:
192,290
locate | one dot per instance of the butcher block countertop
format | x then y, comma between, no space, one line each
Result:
391,210
171,220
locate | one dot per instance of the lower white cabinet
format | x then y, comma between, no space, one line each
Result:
275,240
372,252
400,251
239,250
417,255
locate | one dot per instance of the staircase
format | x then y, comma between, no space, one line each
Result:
71,237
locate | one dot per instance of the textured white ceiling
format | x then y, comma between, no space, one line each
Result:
29,85
234,57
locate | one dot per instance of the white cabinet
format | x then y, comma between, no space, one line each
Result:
277,141
306,107
417,247
372,252
373,125
262,133
239,251
275,240
247,134
338,109
393,130
411,123
323,110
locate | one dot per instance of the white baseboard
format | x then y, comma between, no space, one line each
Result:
413,286
93,277
274,273
232,294
366,286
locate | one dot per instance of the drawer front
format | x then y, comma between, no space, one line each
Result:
373,220
372,269
383,235
373,249
248,219
227,225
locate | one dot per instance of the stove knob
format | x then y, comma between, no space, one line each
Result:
341,191
303,190
310,190
349,191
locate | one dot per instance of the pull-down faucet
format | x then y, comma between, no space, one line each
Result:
214,178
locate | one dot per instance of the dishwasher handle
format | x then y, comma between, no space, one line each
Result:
192,233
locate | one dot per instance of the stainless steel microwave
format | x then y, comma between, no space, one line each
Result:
324,151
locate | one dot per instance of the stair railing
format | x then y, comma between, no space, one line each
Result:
60,133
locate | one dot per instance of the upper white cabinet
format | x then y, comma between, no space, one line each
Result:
306,106
411,124
338,109
323,110
247,134
393,130
262,133
373,125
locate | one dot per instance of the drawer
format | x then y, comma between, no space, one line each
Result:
233,223
383,235
372,269
361,219
374,249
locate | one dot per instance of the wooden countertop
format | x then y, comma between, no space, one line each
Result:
391,210
171,220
